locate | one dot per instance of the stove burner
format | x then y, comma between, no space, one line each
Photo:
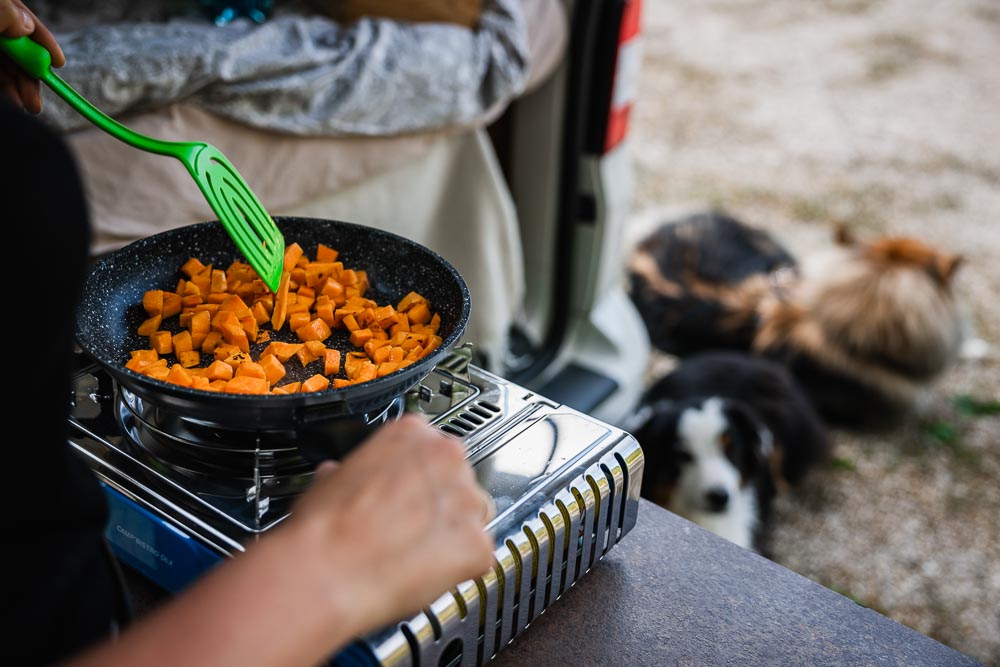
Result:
218,456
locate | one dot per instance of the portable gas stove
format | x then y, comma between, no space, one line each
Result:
185,496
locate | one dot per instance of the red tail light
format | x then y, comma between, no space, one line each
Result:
626,76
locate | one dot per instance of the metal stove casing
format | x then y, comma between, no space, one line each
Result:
566,488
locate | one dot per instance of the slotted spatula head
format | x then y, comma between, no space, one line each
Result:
237,207
239,211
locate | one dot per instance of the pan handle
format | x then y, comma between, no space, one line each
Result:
323,439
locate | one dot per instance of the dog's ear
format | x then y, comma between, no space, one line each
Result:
752,431
945,266
654,426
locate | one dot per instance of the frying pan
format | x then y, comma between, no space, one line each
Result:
110,312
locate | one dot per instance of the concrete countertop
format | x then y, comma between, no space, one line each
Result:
672,593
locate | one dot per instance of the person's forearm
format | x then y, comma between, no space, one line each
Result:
257,609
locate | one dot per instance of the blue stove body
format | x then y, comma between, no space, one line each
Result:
153,547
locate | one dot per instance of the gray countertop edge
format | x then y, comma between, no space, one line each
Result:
672,593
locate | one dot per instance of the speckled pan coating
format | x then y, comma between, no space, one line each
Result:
111,311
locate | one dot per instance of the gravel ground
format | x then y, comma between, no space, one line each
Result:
884,114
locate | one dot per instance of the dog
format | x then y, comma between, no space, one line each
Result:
697,282
865,327
723,434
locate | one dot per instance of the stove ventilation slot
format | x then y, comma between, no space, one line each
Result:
471,418
533,567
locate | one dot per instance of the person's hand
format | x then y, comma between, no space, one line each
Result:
18,86
398,523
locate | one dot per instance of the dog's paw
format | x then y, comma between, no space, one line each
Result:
974,349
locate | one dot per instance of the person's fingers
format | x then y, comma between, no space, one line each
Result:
41,34
445,453
8,85
30,92
489,507
476,554
325,469
15,19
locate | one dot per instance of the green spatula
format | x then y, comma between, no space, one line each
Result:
237,207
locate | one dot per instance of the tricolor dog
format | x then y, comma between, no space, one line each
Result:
722,434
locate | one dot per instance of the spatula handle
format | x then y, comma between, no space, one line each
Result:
35,59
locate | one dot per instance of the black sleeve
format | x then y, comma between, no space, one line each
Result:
62,592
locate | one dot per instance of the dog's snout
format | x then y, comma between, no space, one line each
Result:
717,499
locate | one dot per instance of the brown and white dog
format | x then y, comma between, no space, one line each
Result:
864,327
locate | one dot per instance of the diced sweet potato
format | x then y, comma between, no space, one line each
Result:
162,342
179,375
293,252
349,277
189,359
305,356
236,360
219,370
150,325
245,384
158,370
283,351
360,336
211,341
316,329
325,253
335,290
236,305
146,355
331,362
408,301
281,300
352,363
249,324
368,371
200,322
222,317
298,319
419,314
192,267
251,369
152,302
273,368
138,364
235,335
316,347
316,382
386,368
349,322
182,342
222,313
219,281
324,311
260,313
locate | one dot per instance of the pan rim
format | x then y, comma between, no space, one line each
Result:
330,395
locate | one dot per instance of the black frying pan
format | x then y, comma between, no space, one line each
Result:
111,310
